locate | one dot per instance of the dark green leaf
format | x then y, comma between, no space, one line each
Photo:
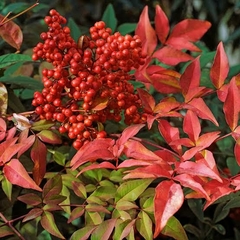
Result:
75,31
197,208
11,58
220,212
126,28
109,17
22,82
233,166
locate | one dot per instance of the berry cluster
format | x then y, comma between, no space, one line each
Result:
89,82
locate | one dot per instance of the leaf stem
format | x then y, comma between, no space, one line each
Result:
9,223
4,21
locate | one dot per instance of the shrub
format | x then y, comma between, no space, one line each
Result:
126,133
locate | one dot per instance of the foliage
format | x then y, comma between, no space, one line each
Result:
160,133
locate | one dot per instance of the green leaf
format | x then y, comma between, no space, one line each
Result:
104,230
144,225
3,99
193,230
5,231
83,233
7,188
93,218
220,213
48,136
131,190
58,157
79,189
75,31
125,205
197,208
105,193
42,125
126,28
174,229
48,223
233,166
233,203
76,213
22,82
109,17
206,58
220,228
9,59
14,67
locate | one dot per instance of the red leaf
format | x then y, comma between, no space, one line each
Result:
231,106
33,214
166,105
99,148
198,169
151,171
167,201
237,151
189,29
165,83
201,109
217,190
222,92
182,43
170,134
129,132
190,79
103,165
134,163
15,173
134,149
31,199
161,24
11,33
3,128
27,143
146,32
220,67
187,180
39,158
147,100
171,56
191,125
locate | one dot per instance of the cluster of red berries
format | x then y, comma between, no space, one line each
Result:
89,82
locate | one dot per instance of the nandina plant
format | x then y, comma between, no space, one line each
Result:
126,131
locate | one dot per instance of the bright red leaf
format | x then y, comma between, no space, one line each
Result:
147,100
190,79
197,169
191,125
146,32
167,201
231,106
220,67
15,173
201,109
99,148
161,24
27,143
190,30
170,134
187,180
171,56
